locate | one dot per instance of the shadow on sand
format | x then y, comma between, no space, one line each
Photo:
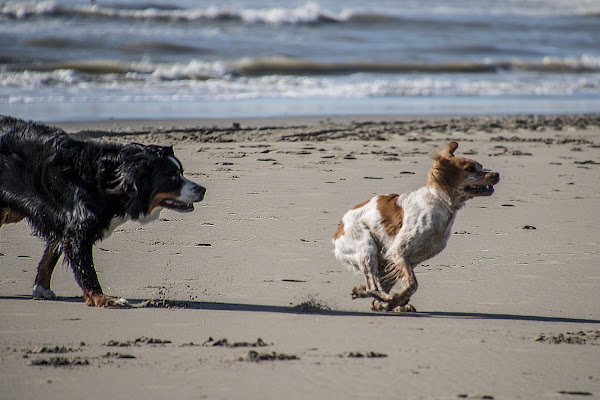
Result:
315,309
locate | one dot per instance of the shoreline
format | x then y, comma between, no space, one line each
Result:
319,107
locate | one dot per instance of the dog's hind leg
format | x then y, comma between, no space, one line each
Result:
41,289
8,216
358,249
370,268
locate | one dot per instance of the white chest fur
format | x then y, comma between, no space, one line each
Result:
426,227
118,221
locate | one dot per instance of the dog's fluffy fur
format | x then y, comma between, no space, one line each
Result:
386,237
75,193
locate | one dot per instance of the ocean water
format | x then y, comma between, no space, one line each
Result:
69,59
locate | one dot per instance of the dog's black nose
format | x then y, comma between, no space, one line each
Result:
495,177
200,192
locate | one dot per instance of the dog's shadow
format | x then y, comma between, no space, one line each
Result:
300,309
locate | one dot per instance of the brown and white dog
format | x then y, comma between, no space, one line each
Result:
387,236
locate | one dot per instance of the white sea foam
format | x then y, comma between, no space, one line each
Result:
307,13
194,70
310,12
20,9
166,84
34,80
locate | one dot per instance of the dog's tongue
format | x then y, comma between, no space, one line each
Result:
177,205
481,189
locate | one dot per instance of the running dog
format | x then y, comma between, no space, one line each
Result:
75,193
386,237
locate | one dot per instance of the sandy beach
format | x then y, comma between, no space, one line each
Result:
243,298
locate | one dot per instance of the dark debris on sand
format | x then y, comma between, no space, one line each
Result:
581,337
161,303
60,361
256,356
137,342
226,343
367,354
353,130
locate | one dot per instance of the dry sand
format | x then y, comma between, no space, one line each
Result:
511,308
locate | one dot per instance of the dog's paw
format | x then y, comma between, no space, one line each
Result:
359,292
102,300
41,293
119,303
405,308
377,305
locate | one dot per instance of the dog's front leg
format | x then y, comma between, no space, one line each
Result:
95,299
399,301
80,256
361,292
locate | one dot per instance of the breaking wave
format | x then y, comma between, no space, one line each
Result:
202,81
200,70
309,13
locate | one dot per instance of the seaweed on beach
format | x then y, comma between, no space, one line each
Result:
162,303
588,337
226,343
59,361
358,354
137,342
353,130
256,356
51,350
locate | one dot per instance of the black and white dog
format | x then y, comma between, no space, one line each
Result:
75,193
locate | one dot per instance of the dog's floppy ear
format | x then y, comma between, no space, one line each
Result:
129,185
128,175
449,150
134,161
168,151
160,151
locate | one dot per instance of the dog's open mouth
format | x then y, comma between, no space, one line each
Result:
480,190
177,205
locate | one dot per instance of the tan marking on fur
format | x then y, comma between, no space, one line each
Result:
391,213
45,268
95,299
159,198
447,173
450,149
340,231
9,216
361,205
